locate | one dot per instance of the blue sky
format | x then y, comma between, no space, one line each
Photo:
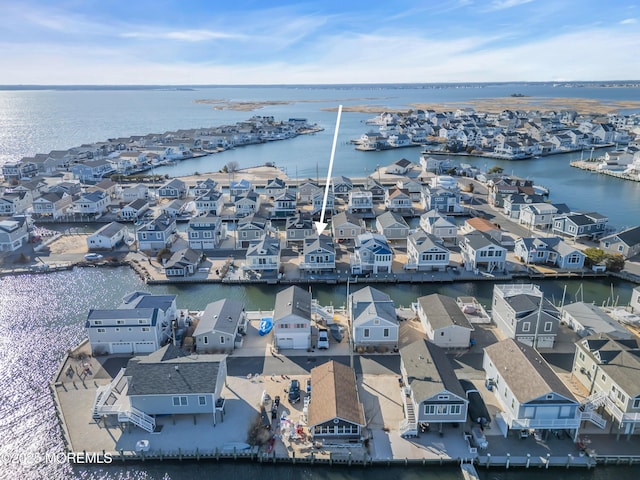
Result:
289,42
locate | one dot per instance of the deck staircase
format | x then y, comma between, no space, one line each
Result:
325,313
409,426
589,405
138,418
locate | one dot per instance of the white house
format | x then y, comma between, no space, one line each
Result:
426,252
588,319
292,319
443,321
108,237
13,234
346,227
263,255
373,319
481,251
372,254
435,223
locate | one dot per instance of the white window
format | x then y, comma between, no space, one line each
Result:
120,322
526,326
636,403
221,339
202,400
455,409
102,330
385,332
443,397
145,329
180,401
97,322
365,333
205,340
548,326
442,409
429,409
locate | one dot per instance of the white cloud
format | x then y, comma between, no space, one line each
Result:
503,4
628,21
183,35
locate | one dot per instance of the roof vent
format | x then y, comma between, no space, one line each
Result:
176,367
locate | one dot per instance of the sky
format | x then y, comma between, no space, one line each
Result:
195,42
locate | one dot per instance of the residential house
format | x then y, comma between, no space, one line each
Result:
247,204
434,223
249,228
175,208
15,203
443,321
373,319
108,237
587,319
134,210
210,202
13,234
204,186
174,188
549,250
513,203
392,226
139,325
299,227
520,311
53,204
589,225
503,186
135,192
360,202
375,187
92,171
413,187
263,255
442,200
183,263
345,227
341,186
398,200
479,250
205,233
284,205
372,254
275,187
531,394
221,326
399,167
239,189
319,255
478,224
317,202
307,190
108,186
625,243
156,234
537,216
336,414
609,369
70,188
432,393
425,252
292,319
92,203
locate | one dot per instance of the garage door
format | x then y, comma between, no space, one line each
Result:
121,347
144,347
285,342
301,342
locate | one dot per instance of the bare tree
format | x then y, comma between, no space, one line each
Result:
232,166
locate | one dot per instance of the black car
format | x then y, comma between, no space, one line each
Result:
337,331
294,391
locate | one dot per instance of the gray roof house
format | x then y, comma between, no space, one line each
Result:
247,203
263,255
346,227
588,319
373,319
528,390
292,319
443,227
156,234
319,254
425,252
183,263
13,234
134,210
210,202
589,225
479,250
392,226
626,242
205,233
549,250
432,391
249,228
299,227
221,326
174,188
443,321
108,237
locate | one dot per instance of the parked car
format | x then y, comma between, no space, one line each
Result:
323,339
337,331
294,391
93,257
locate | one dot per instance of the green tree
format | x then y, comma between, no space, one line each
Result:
594,255
496,169
614,262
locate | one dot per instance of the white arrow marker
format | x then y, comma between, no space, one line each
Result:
320,226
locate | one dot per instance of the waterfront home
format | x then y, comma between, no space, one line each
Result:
108,186
183,263
478,224
175,208
134,210
431,392
513,203
174,188
92,171
443,321
479,250
341,186
521,312
92,203
275,187
299,227
26,168
589,225
263,255
210,202
345,227
502,186
319,255
375,188
398,200
52,205
239,189
425,252
204,186
392,226
205,233
284,205
157,233
413,188
441,199
609,369
625,243
220,327
15,203
307,190
434,223
139,325
172,382
246,204
588,319
108,237
538,216
251,227
529,392
373,319
549,250
336,414
399,167
360,202
13,234
292,319
371,254
135,192
318,199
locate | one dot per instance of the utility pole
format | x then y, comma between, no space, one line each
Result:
535,336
